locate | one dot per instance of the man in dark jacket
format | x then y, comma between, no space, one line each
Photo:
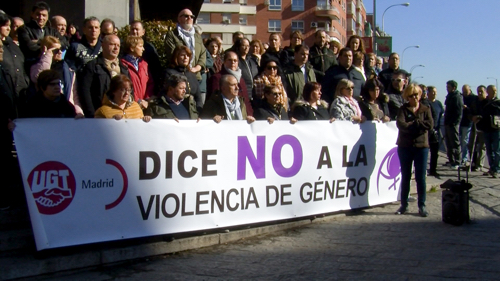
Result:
395,92
30,33
320,57
298,73
336,73
385,75
175,104
94,79
452,117
80,53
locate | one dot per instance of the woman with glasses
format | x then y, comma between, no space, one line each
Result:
311,107
51,57
118,102
269,75
270,109
49,102
414,120
344,106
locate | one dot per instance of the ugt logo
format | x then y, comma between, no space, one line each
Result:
390,170
53,186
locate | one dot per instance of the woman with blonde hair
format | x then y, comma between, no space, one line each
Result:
51,57
414,120
344,105
256,50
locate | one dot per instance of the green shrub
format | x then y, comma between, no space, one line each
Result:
155,34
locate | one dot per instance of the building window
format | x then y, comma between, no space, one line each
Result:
322,4
203,18
274,4
226,18
227,1
274,26
298,25
243,2
227,38
243,19
297,5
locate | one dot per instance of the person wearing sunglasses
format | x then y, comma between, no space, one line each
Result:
345,107
414,120
270,109
184,35
395,92
269,74
51,57
311,106
49,101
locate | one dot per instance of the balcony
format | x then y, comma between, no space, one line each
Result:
327,11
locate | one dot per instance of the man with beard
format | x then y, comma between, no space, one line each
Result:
321,57
184,34
80,53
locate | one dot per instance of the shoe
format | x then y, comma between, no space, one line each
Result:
447,164
494,175
401,210
411,199
474,169
486,173
422,212
455,167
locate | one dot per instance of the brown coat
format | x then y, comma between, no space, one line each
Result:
414,134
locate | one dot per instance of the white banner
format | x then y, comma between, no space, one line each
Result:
99,180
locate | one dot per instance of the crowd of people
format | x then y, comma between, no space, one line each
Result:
49,69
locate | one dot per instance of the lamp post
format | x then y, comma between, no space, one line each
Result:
418,77
403,54
415,66
496,80
403,4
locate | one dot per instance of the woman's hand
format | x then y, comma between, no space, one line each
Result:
218,118
195,69
250,119
144,104
386,119
332,119
146,118
118,117
11,125
270,120
293,120
79,116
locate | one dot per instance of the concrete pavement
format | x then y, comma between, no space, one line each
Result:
371,244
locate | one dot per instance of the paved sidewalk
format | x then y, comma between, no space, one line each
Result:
373,244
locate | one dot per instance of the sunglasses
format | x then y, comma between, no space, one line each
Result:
399,80
272,67
55,51
188,16
59,83
414,96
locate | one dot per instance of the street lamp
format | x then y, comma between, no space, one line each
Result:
403,4
415,66
496,80
418,77
403,54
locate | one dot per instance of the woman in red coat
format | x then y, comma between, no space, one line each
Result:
138,69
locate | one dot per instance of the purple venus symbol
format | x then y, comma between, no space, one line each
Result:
390,168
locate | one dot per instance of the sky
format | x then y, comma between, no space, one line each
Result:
459,39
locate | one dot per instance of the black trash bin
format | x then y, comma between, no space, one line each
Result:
455,201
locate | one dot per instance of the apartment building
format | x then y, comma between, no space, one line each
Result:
259,18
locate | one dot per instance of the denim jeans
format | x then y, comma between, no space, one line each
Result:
464,142
492,142
408,156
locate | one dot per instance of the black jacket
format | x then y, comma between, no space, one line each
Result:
488,109
80,53
332,77
453,104
93,83
265,110
31,31
303,111
249,70
40,107
322,59
13,66
193,87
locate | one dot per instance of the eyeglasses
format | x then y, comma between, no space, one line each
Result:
54,84
55,51
413,96
398,80
188,16
272,67
126,90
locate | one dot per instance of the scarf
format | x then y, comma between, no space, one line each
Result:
133,60
235,73
188,37
233,109
276,81
354,104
